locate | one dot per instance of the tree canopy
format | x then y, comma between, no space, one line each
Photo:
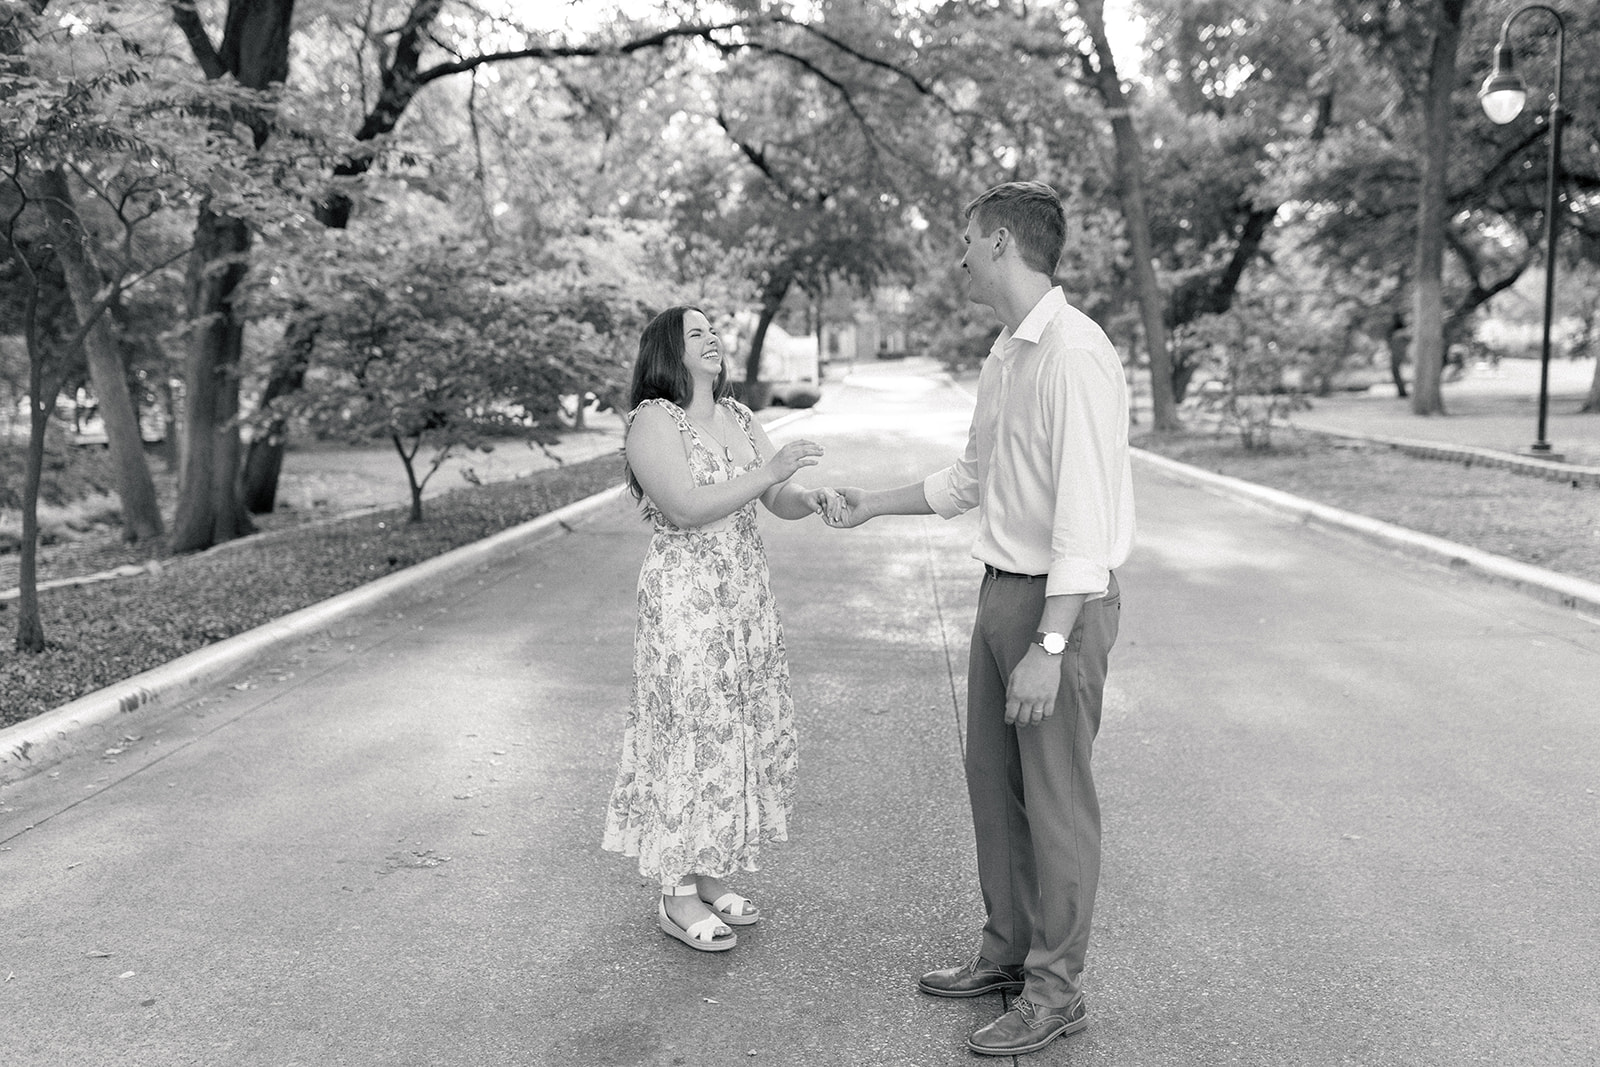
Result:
208,199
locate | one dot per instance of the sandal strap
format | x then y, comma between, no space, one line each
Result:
680,890
733,904
706,929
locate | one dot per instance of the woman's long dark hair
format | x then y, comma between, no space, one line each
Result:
659,371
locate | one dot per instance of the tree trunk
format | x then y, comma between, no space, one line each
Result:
210,511
411,478
1591,403
1427,326
264,461
263,464
255,51
30,625
141,513
772,295
170,453
41,399
1136,216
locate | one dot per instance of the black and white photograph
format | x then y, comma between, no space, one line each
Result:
799,533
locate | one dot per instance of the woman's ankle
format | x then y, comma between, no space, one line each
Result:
709,886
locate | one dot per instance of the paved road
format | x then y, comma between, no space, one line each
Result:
1351,805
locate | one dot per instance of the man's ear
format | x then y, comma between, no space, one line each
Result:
1001,238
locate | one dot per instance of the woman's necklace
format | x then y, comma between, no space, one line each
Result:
727,449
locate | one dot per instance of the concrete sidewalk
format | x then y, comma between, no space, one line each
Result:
1489,408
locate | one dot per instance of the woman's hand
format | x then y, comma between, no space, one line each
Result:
851,509
825,502
790,458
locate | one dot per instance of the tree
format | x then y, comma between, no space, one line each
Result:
58,117
1427,330
42,388
254,52
87,284
440,347
1101,66
68,107
1239,94
1007,102
406,64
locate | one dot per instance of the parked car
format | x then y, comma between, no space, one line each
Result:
793,394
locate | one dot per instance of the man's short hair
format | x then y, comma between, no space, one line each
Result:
1032,212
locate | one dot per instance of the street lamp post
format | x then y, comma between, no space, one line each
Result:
1502,95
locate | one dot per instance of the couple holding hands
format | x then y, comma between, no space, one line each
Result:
709,751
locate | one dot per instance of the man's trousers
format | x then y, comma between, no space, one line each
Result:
1034,808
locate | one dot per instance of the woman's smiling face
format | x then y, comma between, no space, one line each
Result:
702,354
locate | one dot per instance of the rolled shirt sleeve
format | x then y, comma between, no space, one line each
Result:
954,490
1091,528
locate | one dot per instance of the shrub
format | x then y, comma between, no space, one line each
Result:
70,471
1250,371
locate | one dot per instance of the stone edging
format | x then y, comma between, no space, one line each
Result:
1470,455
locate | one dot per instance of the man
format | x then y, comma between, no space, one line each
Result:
1046,465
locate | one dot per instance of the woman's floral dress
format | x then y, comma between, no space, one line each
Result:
708,751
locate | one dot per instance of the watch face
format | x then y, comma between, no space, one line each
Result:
1054,644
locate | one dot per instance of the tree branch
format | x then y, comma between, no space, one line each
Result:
758,159
205,52
843,46
579,51
403,77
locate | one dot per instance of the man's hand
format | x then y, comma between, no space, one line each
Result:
825,502
852,510
1031,692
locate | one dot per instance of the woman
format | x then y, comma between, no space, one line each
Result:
708,751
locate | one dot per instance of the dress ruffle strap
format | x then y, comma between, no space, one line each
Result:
679,416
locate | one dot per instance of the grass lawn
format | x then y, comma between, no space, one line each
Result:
1545,523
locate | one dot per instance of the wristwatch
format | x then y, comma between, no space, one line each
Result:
1053,643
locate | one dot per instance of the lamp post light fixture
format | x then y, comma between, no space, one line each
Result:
1503,95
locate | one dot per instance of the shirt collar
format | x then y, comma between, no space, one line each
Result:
1032,327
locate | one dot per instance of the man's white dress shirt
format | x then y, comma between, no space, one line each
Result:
1046,461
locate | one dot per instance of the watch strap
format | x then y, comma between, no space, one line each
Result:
1043,638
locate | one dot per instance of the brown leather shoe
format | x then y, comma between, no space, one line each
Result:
972,979
1028,1028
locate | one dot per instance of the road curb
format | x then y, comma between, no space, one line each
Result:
31,745
1550,586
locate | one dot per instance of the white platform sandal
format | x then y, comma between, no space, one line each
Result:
703,936
735,910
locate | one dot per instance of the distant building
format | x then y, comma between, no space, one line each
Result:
877,329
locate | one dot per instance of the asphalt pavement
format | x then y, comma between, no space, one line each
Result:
1350,801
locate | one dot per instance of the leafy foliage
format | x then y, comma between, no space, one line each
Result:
1253,355
443,346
